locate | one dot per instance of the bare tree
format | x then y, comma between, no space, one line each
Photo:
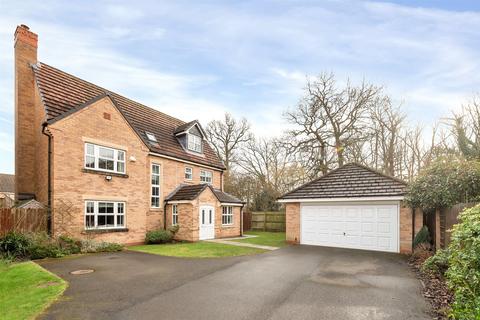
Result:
466,129
227,136
386,126
331,119
274,169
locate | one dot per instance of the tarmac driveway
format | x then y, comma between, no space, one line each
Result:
298,282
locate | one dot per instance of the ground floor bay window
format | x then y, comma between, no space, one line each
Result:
104,214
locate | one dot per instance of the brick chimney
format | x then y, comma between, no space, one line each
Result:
25,55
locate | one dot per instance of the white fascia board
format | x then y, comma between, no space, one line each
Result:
353,199
180,202
231,204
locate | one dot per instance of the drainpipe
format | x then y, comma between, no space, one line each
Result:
49,178
241,220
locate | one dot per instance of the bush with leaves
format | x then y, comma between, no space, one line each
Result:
463,274
438,262
15,245
423,236
159,236
446,182
92,246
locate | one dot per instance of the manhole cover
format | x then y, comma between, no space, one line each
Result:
84,271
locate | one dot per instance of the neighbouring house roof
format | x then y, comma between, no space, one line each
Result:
30,204
63,93
349,181
191,192
7,183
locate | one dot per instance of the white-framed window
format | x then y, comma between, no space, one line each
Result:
174,215
194,143
150,136
155,186
227,215
104,158
104,214
205,176
188,173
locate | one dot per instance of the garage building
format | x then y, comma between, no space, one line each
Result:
352,207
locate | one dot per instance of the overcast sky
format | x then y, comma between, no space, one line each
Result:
199,59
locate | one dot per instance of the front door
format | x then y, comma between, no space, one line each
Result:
207,222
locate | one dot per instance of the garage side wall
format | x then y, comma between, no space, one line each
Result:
406,227
292,219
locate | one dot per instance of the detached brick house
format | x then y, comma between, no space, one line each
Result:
109,167
353,207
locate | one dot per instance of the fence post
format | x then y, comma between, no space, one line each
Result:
264,221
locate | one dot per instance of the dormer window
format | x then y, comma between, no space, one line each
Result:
151,137
194,143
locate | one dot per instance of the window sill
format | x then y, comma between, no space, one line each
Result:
228,226
103,173
90,231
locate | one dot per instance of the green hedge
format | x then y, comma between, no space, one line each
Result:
463,274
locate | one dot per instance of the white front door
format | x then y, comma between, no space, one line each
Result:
207,222
358,226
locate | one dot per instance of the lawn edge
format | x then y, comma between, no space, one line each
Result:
63,282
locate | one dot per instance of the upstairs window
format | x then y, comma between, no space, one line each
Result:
205,176
104,158
188,173
194,143
155,186
151,137
227,215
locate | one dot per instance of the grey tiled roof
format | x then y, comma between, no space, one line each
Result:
7,183
191,192
349,181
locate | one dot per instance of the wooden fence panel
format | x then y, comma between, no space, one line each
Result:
22,220
268,221
449,217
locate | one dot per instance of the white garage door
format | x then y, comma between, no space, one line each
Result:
356,226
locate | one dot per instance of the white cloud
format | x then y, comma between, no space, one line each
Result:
201,60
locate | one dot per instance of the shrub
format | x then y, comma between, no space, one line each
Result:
445,183
423,236
69,245
45,250
15,246
92,246
43,246
174,229
158,236
109,247
437,262
463,275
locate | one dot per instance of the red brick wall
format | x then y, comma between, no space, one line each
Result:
292,221
25,103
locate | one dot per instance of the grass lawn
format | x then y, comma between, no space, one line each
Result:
199,249
273,239
26,289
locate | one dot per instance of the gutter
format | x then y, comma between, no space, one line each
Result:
49,178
